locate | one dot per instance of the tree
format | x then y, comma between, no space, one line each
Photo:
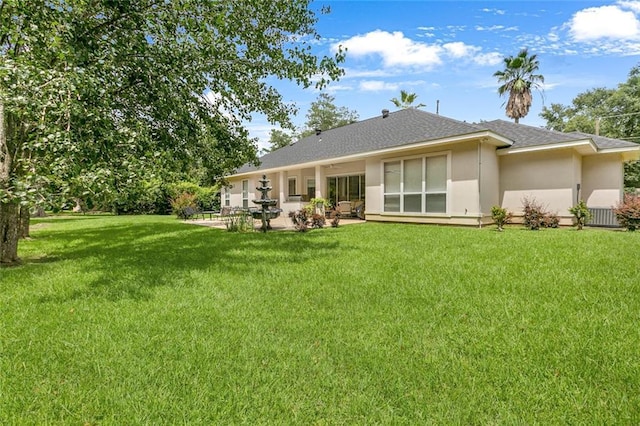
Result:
612,113
96,95
406,100
517,78
324,115
279,139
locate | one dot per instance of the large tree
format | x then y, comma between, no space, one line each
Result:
95,94
406,100
279,139
517,79
324,115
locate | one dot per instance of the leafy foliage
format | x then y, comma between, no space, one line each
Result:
500,216
184,203
518,78
279,139
628,212
241,221
581,214
324,115
406,100
535,215
98,95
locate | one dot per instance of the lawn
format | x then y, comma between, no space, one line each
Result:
147,320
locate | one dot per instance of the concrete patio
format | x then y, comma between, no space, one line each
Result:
282,223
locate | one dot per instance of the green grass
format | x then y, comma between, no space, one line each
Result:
146,320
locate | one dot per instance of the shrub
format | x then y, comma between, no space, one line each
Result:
299,219
534,214
628,212
182,204
550,220
581,214
238,222
500,216
335,218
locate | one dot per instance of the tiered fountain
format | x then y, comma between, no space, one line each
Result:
267,212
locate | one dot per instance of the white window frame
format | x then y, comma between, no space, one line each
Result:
227,197
245,193
423,192
295,185
315,188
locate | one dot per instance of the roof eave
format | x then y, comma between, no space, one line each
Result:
584,146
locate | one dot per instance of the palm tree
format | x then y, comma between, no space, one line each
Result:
518,78
406,100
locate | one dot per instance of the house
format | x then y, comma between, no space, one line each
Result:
415,166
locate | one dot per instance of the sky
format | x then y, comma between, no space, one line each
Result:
447,51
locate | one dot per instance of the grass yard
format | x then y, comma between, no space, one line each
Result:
146,320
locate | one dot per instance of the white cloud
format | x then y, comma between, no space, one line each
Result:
394,48
488,59
398,51
459,49
633,5
378,86
604,22
494,11
492,28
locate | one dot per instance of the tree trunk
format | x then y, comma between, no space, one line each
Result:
9,211
23,224
9,218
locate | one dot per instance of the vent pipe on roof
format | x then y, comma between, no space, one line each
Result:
385,113
318,131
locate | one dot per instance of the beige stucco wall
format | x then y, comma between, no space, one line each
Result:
602,180
463,203
549,177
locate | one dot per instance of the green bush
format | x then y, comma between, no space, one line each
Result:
238,222
581,214
628,212
182,204
206,197
500,216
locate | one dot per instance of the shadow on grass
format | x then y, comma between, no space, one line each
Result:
127,259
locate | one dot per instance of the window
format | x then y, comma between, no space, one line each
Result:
293,186
416,185
245,194
311,188
227,197
345,188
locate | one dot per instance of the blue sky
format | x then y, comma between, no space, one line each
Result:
447,51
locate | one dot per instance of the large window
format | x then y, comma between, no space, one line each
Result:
245,194
416,185
345,188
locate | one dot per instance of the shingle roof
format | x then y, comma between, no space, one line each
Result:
402,127
528,136
409,126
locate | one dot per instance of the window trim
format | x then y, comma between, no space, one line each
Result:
423,193
295,185
245,193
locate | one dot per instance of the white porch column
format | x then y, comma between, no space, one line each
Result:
281,188
319,183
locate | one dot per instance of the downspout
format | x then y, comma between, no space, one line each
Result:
479,183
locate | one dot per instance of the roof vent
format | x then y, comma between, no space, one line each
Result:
318,131
385,113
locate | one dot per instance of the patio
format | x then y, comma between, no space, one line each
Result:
282,223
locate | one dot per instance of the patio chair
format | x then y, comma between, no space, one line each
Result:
344,207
